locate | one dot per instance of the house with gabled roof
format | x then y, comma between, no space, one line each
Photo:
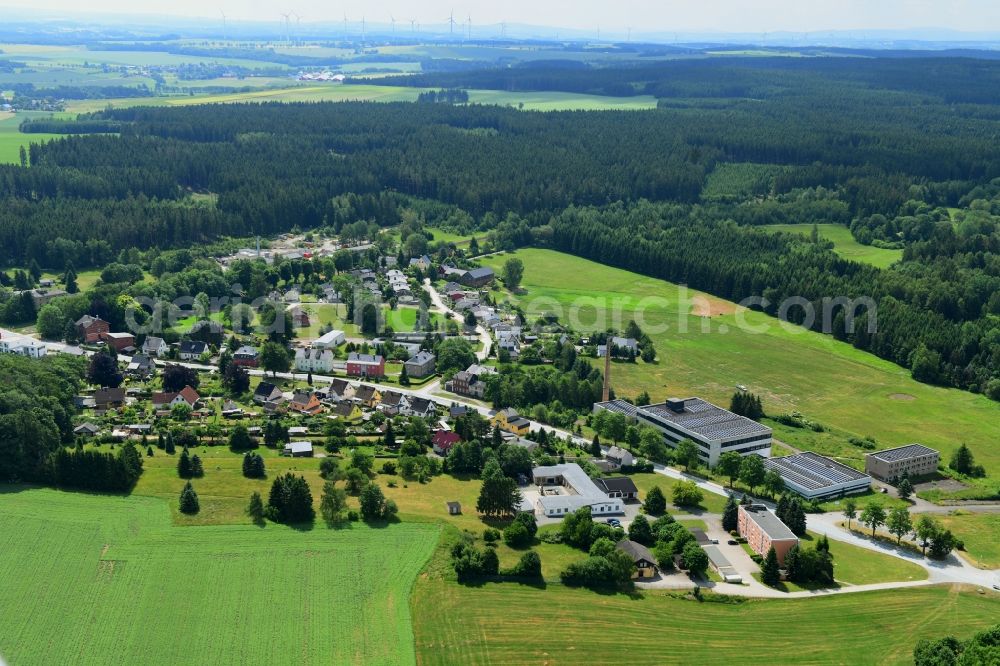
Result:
305,402
166,400
90,328
266,392
369,396
154,346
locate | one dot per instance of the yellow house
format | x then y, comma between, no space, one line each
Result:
511,421
369,396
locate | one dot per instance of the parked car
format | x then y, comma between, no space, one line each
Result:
614,522
714,541
732,542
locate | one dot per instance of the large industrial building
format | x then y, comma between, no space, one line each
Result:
816,477
713,429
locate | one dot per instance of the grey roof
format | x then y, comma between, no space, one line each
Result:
619,406
420,405
299,447
813,471
621,484
636,551
193,347
246,350
769,523
421,358
480,272
716,556
355,357
904,452
705,419
587,492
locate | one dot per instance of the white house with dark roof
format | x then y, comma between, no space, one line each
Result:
154,346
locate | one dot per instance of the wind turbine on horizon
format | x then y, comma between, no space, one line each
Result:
392,20
225,38
285,16
451,22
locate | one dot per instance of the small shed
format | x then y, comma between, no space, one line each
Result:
454,508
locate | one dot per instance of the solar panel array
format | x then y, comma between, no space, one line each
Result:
619,406
813,471
904,452
707,420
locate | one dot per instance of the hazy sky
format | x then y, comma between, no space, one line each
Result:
642,15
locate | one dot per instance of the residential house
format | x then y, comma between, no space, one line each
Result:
423,263
42,297
340,390
140,367
392,403
154,346
300,318
346,410
456,410
247,357
470,381
191,350
23,347
365,365
619,457
86,430
166,400
421,407
305,402
90,328
106,398
266,392
368,396
313,359
509,344
420,366
443,440
642,558
511,421
620,348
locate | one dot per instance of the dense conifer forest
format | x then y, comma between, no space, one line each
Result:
900,150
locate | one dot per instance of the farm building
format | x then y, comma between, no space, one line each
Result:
329,340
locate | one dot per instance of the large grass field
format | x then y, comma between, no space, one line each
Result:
99,580
504,623
791,369
844,243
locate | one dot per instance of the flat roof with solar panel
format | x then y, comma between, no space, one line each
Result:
618,406
814,476
705,419
904,453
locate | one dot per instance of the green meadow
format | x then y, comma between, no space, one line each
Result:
98,580
11,138
792,369
844,243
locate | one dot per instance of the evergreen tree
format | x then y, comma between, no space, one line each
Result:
197,470
730,515
255,509
498,495
769,572
595,446
239,438
184,467
404,377
372,503
962,461
169,443
189,500
904,489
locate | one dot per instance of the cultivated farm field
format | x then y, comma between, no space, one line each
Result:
97,580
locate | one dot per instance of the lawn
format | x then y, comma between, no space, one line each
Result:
844,243
711,502
790,368
97,579
853,565
506,623
981,534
